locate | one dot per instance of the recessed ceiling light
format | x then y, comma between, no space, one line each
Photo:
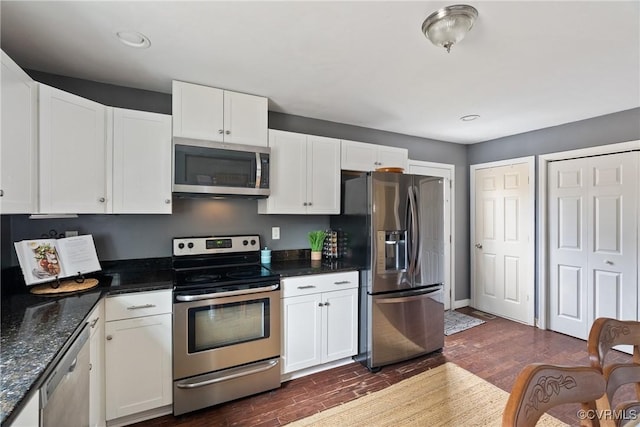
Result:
134,39
469,117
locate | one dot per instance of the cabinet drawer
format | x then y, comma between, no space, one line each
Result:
138,304
305,285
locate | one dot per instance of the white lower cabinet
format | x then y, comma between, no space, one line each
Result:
96,374
320,319
138,370
29,415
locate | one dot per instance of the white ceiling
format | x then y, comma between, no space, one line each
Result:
524,65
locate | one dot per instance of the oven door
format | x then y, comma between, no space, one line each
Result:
219,332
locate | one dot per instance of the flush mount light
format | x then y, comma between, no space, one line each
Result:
469,117
134,39
449,25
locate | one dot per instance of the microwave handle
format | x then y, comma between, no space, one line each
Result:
258,170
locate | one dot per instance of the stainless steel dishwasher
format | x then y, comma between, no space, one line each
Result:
65,393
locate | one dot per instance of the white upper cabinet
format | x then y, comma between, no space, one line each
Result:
360,156
213,114
18,144
305,175
73,154
141,162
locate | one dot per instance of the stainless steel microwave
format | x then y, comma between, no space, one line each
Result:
212,168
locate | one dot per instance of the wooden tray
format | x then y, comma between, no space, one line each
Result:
66,286
392,170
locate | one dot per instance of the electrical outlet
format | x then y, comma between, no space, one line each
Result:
70,233
275,233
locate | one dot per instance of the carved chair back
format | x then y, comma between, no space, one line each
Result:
540,387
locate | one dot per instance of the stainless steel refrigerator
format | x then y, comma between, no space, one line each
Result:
394,227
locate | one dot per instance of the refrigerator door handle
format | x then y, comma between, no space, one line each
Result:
413,233
404,299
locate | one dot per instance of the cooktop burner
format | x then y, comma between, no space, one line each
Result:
216,262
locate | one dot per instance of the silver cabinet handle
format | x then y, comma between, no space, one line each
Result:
608,262
220,131
94,322
109,337
102,199
137,307
306,287
343,282
478,245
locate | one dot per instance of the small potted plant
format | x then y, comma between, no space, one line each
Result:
316,239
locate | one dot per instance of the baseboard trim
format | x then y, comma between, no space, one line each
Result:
141,416
312,370
461,303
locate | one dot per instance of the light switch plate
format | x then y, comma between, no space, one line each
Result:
275,233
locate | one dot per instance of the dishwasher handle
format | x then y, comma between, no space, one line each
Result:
65,366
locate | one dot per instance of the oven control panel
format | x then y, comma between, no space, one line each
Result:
215,245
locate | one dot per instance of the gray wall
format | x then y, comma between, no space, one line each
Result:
143,236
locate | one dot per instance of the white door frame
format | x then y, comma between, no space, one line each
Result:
446,171
531,213
543,232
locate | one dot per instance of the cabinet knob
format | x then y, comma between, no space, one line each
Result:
304,204
326,303
309,204
320,304
220,131
608,262
109,337
228,132
167,201
102,199
478,245
1,193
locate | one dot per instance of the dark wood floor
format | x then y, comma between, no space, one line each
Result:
496,351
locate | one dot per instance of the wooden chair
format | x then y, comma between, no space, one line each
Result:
606,333
540,387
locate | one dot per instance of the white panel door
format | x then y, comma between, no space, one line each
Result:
503,267
568,244
340,324
245,119
359,156
613,219
593,219
302,332
197,111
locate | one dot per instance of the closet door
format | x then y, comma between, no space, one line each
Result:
593,218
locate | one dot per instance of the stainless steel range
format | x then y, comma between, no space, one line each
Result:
226,321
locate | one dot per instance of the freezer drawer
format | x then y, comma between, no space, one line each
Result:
405,325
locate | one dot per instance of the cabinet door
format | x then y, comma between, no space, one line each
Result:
73,154
245,119
302,332
358,156
323,175
138,365
18,143
197,111
141,162
96,379
340,333
392,157
288,174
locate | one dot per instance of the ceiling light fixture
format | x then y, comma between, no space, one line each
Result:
449,25
134,39
469,117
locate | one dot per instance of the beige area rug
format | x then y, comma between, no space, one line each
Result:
444,396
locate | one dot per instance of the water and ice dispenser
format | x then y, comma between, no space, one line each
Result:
392,250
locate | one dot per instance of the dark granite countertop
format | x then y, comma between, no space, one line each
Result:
305,267
37,330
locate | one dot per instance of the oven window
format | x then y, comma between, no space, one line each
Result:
214,167
221,325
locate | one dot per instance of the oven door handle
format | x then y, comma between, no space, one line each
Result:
260,368
188,298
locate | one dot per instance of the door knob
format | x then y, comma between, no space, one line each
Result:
478,245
